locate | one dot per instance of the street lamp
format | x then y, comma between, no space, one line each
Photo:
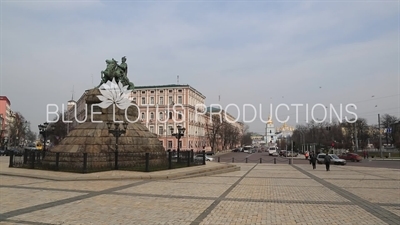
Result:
44,130
178,135
117,132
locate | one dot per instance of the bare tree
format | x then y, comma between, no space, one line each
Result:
387,121
229,135
60,130
18,129
245,138
213,129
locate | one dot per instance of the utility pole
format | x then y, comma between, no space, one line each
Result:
380,136
355,136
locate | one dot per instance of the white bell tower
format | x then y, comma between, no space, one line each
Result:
270,136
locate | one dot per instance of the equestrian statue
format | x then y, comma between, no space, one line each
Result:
117,72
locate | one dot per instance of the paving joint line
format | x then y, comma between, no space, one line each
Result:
28,222
387,178
210,208
5,216
376,210
45,189
232,199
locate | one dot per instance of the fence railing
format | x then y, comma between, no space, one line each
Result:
275,160
95,162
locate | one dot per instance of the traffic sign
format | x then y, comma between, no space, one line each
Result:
389,130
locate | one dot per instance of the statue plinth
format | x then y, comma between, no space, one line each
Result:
94,137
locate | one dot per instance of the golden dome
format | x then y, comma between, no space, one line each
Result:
269,120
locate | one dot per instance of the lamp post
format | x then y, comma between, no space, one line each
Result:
43,130
178,135
117,132
303,146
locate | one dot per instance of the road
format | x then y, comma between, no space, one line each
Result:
240,157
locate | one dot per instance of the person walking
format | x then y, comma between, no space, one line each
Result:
313,161
327,161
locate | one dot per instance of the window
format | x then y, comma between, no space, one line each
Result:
180,144
152,116
170,116
179,116
152,92
143,100
170,100
270,131
143,92
170,91
160,130
142,115
161,116
162,143
134,99
169,144
161,101
272,137
180,99
179,90
151,129
152,100
169,130
161,91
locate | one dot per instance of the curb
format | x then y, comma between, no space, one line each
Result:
141,176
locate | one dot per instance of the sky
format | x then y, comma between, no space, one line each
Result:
233,52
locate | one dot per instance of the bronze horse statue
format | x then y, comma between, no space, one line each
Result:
113,71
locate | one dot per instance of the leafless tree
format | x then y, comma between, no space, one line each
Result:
214,126
388,121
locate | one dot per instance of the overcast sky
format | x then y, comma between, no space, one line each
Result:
245,52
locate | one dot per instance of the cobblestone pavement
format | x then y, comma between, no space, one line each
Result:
258,194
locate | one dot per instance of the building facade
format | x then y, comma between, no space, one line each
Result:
257,139
164,107
6,116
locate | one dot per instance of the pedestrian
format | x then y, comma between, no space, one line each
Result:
365,154
327,161
313,161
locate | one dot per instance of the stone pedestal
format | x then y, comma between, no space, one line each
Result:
92,136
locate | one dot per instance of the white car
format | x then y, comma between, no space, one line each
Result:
199,157
334,159
272,151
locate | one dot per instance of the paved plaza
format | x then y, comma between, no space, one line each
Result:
257,194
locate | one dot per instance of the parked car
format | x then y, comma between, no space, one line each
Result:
2,152
351,157
31,147
15,151
236,150
247,149
199,157
289,154
334,159
282,153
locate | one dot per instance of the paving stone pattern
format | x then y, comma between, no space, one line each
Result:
258,194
